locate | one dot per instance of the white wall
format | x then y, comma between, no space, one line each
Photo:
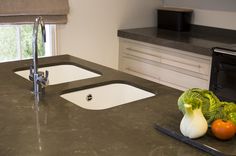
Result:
215,13
91,31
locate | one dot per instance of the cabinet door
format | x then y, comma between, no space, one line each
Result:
139,69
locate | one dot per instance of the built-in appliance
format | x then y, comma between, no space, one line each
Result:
223,73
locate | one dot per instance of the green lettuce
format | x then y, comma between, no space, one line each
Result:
232,117
212,107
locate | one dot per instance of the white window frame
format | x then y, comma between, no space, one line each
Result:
50,45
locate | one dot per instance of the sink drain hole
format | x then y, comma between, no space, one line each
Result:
89,97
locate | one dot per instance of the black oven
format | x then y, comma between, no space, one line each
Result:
223,74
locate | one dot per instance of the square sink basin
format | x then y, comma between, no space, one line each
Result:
106,96
62,73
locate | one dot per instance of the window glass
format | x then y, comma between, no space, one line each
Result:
8,43
26,41
16,42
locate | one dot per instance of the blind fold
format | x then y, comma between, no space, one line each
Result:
25,11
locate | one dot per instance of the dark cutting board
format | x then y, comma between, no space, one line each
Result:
170,126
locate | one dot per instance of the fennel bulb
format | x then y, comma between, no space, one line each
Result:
193,124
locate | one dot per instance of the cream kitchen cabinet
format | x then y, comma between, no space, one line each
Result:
171,67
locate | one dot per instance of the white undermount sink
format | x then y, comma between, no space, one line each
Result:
106,96
62,73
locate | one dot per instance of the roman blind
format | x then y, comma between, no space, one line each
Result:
25,11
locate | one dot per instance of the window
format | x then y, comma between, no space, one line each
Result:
16,42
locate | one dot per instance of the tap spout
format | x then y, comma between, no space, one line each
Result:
40,80
38,21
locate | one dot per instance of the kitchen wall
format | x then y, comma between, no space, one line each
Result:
91,31
216,13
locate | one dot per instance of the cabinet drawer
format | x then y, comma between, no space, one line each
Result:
162,75
139,69
171,57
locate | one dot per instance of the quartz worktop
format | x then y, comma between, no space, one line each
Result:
200,39
62,128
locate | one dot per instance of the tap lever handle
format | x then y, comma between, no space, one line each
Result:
44,34
45,80
31,69
46,74
31,75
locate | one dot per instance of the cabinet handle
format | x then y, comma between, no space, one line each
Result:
141,52
135,71
159,57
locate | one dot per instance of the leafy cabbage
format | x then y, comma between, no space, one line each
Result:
212,107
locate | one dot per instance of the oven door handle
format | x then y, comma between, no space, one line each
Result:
224,51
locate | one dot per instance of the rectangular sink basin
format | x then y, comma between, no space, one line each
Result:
106,96
62,73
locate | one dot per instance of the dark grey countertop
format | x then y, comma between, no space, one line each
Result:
62,128
199,39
